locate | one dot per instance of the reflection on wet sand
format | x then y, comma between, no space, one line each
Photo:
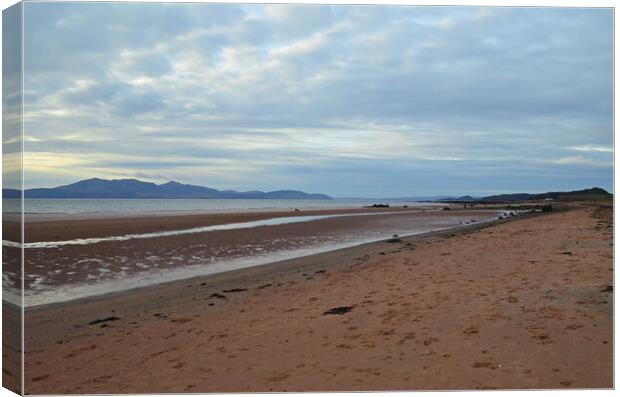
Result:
63,271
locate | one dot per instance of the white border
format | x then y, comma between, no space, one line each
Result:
530,3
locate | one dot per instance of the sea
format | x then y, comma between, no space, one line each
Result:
126,207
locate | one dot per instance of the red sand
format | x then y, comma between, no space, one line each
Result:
522,304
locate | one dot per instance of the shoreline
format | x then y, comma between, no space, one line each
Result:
84,267
286,265
71,228
518,304
99,215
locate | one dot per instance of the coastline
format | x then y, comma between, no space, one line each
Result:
62,269
336,258
521,322
45,228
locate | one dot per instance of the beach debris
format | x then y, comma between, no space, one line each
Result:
338,310
320,271
609,288
103,320
471,330
235,290
386,205
446,208
381,253
217,296
394,240
181,320
297,210
567,253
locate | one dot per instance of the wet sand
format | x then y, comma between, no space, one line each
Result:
46,228
519,304
59,273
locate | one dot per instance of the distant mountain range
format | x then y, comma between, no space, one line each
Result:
97,188
595,193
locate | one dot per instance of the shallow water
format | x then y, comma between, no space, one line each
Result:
61,271
126,207
167,233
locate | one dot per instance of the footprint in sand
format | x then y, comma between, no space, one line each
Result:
279,377
543,338
408,336
181,320
40,378
474,329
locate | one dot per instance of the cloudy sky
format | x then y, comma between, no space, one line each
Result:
343,100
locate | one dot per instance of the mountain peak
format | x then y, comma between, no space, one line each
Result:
172,183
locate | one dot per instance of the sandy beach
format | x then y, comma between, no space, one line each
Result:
525,303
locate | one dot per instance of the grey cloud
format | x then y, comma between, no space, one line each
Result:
507,91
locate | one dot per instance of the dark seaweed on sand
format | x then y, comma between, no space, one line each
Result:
339,310
235,290
103,320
